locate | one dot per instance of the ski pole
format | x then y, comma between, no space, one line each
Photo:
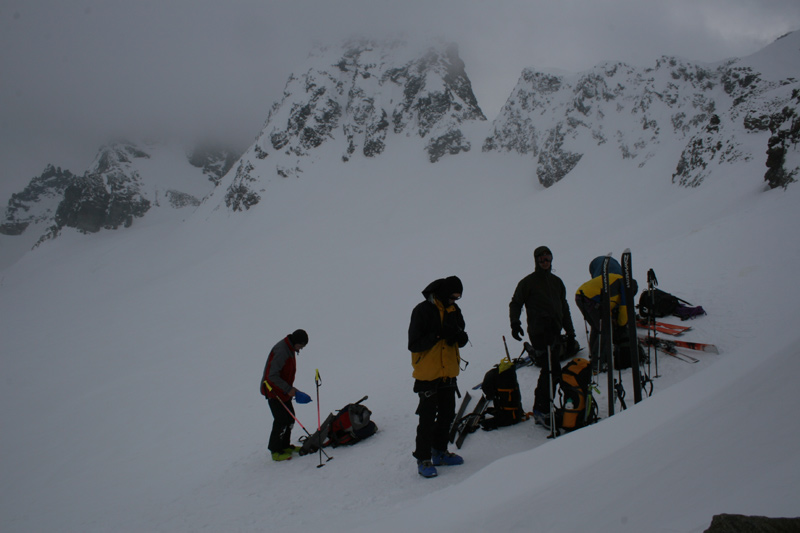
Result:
269,388
586,330
318,382
553,431
508,355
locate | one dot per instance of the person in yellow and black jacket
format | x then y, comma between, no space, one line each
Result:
435,334
588,298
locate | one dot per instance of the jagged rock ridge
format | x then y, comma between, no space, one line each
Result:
37,202
356,97
555,117
113,192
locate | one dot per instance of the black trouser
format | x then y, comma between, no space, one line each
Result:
436,410
546,334
591,313
541,396
282,425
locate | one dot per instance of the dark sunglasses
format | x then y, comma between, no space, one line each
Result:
545,258
453,297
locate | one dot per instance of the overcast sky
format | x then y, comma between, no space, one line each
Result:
74,72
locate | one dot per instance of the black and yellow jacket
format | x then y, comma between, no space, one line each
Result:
435,335
593,288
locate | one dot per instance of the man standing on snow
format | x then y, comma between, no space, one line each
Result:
277,385
435,334
544,297
588,299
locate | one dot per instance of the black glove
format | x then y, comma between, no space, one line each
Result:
517,333
572,346
450,333
461,338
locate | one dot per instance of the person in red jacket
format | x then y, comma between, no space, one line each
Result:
277,384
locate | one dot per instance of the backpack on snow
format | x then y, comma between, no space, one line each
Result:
622,354
578,408
560,348
347,426
656,303
500,385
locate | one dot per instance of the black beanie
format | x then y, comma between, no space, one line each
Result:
299,336
542,250
451,285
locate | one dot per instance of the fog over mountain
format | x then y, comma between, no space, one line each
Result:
141,294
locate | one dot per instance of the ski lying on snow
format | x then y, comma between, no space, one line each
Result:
677,355
663,327
673,343
669,348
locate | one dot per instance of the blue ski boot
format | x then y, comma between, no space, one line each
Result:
445,458
426,468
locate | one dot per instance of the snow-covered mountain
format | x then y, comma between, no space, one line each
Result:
363,95
359,96
695,115
125,181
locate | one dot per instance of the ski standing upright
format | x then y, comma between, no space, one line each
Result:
606,339
652,283
633,340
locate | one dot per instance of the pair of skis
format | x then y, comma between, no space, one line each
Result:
464,425
670,347
615,389
675,330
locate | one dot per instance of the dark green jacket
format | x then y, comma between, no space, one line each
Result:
544,297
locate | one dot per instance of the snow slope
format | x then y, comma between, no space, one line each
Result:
131,358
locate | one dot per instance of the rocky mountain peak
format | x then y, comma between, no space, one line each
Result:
641,112
354,98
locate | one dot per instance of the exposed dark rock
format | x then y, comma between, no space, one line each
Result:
734,523
240,196
215,161
785,129
37,202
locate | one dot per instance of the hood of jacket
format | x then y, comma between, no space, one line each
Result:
596,266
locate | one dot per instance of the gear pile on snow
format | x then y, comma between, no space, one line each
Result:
347,426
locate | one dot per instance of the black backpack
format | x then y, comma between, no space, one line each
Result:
658,304
347,426
622,353
560,348
578,408
661,304
500,385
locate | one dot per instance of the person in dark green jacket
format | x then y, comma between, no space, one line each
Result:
544,298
